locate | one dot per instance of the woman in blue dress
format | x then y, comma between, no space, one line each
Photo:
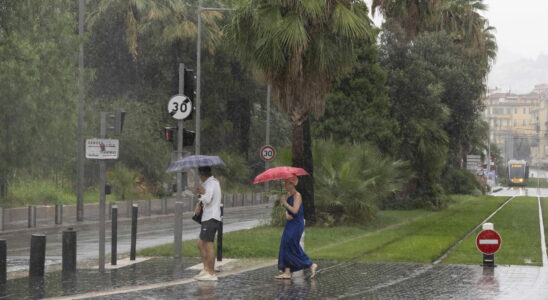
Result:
291,257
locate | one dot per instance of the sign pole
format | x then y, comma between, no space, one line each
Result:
102,197
266,163
178,222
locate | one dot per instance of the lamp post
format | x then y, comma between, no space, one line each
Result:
199,70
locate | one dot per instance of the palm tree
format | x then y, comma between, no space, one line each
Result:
176,18
299,47
412,15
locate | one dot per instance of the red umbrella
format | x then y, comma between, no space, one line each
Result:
279,173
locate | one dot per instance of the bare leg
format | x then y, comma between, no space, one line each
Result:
313,269
210,257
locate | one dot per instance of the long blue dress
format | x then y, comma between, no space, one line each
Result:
291,253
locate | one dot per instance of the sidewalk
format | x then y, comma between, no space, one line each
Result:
165,278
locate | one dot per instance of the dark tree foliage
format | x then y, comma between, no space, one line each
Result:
358,109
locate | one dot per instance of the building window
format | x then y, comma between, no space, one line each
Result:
515,110
515,123
523,123
524,110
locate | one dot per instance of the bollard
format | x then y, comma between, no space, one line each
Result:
164,206
58,214
32,217
1,219
148,208
135,212
114,237
3,265
37,255
69,251
220,237
233,200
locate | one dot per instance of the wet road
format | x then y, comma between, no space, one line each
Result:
152,231
517,191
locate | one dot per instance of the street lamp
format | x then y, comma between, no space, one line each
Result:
199,70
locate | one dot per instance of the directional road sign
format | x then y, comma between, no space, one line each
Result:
102,149
179,107
488,241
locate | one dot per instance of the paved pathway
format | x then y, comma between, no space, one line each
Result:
163,278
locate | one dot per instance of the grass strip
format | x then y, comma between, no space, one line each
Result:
264,241
537,182
423,240
518,225
544,205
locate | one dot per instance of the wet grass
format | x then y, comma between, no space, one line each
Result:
538,182
423,240
264,241
518,225
544,204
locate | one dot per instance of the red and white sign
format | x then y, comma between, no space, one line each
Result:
267,153
488,241
102,149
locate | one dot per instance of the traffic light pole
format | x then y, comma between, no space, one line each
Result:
178,230
80,143
102,197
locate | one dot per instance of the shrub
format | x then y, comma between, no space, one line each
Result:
461,181
122,180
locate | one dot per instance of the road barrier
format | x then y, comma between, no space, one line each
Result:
3,262
37,255
114,235
69,252
32,217
134,215
58,214
220,237
53,215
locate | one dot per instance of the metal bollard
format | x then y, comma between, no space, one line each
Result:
1,219
220,237
32,217
114,236
164,206
37,255
135,213
69,251
148,209
3,262
58,214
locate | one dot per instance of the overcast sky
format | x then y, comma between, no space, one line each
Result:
522,37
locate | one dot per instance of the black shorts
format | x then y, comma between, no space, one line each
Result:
209,228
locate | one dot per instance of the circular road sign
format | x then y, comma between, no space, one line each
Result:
488,241
267,153
179,107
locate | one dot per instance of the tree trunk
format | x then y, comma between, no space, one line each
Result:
302,158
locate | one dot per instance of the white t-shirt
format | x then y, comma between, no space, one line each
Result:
211,199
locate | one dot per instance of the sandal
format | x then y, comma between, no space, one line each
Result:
283,276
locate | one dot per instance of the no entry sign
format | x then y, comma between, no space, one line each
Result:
488,241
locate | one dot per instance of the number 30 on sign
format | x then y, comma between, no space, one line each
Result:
268,153
179,107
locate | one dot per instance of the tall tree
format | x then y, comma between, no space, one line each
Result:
37,87
413,16
299,47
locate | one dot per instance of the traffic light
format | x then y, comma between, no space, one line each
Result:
170,134
119,122
189,84
188,137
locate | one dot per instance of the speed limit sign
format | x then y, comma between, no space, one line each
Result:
179,107
268,153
